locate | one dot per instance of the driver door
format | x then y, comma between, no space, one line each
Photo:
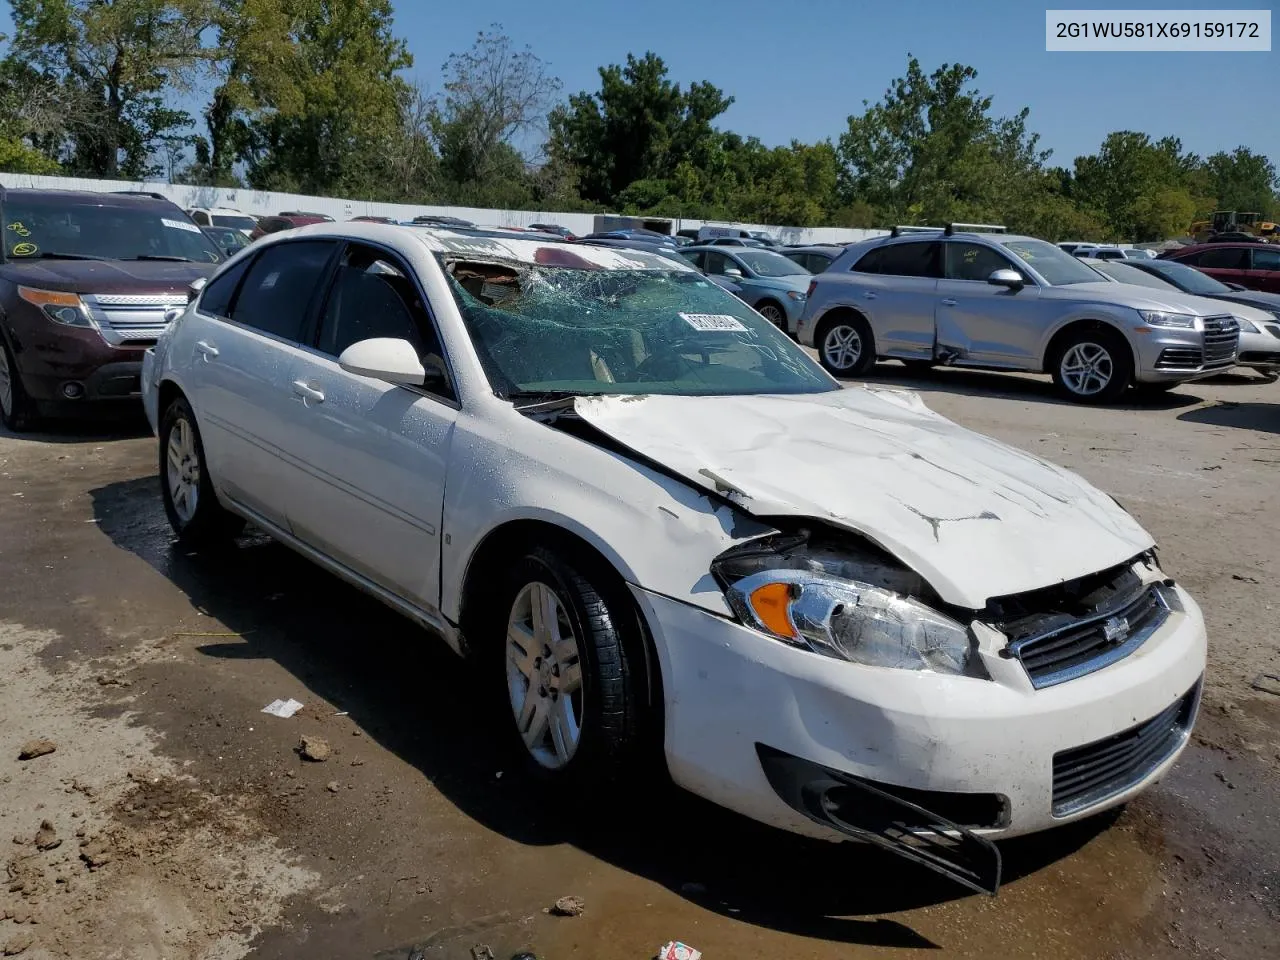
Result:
982,323
371,454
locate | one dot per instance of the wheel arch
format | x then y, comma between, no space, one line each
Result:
833,314
497,546
1067,330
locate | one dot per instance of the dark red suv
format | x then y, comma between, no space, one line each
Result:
85,282
1255,266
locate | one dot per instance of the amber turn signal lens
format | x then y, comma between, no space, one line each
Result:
770,603
45,298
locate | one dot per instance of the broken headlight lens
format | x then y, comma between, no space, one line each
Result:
850,620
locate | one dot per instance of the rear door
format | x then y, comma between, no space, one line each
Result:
243,361
983,323
899,293
1264,269
371,455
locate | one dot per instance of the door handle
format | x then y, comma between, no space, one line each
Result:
206,349
948,302
869,295
308,392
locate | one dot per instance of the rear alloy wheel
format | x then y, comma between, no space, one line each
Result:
774,314
572,665
15,408
189,499
846,347
1093,366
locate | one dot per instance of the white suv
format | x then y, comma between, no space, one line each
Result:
223,217
657,525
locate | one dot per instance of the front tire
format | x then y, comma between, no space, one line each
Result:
187,489
15,406
846,346
774,313
1093,366
563,642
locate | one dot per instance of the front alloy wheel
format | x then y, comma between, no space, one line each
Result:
544,675
14,405
773,313
1093,366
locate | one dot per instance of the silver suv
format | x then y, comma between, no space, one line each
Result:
999,302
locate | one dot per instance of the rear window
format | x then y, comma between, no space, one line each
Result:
233,220
56,227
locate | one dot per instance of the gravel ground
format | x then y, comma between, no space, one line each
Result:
175,820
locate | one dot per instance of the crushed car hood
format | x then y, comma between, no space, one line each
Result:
976,518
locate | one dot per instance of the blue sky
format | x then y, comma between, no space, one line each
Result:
798,68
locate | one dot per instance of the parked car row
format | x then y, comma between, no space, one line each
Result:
667,538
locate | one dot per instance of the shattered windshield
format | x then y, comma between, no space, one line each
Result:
554,330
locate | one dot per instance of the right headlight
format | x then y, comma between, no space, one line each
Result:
851,621
1162,318
842,600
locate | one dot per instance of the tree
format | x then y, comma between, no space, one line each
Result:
493,94
639,126
1142,188
118,55
1243,180
929,151
323,117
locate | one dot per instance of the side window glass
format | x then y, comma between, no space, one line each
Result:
716,263
216,297
1226,258
698,258
201,218
373,296
1266,259
974,261
870,263
911,260
279,286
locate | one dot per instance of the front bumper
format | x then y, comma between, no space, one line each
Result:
730,690
1169,355
1260,351
151,390
64,368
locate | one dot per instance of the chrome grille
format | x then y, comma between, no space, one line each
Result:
1094,642
1088,775
129,318
1221,338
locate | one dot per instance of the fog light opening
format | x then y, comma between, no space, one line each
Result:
73,390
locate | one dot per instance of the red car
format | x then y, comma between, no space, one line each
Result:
286,221
1255,266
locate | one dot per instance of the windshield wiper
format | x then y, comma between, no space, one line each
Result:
55,255
537,398
161,256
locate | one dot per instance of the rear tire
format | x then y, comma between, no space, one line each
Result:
1093,366
187,489
560,642
15,405
846,346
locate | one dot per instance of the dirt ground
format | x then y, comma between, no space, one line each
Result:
183,823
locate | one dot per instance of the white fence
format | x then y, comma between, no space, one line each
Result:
261,203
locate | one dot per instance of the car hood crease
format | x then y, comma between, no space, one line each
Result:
976,518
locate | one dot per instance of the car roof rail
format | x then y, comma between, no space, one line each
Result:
975,228
901,229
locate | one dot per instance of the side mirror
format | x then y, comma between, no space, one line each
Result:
1006,278
194,288
384,358
733,272
172,314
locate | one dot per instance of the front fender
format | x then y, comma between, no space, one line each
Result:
657,531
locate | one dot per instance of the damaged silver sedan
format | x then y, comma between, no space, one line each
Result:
657,525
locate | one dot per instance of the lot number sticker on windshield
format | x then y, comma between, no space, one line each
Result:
179,225
714,322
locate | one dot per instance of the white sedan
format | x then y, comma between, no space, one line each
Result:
660,528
